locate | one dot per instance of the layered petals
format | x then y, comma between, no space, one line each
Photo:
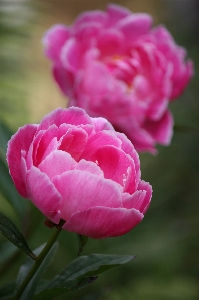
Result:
115,65
79,172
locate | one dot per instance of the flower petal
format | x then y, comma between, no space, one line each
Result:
43,193
53,41
116,165
102,222
74,142
135,25
89,166
116,13
140,200
71,55
56,163
98,140
81,190
145,186
161,130
72,115
101,124
21,140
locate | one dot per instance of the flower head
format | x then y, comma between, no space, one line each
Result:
79,169
114,64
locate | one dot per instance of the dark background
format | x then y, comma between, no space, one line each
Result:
167,241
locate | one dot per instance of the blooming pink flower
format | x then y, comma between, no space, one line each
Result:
79,169
113,64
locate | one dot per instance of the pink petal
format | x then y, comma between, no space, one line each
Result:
44,143
43,193
116,165
97,80
145,186
128,148
81,190
161,130
70,55
101,124
21,140
109,40
135,25
141,139
102,222
116,13
140,200
74,142
89,166
99,140
97,16
72,115
133,201
54,39
56,163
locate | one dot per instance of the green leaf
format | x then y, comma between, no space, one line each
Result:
80,273
90,265
64,288
82,240
31,287
12,233
7,291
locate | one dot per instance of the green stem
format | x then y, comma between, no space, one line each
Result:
37,264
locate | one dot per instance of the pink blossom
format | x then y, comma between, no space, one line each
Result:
114,64
79,169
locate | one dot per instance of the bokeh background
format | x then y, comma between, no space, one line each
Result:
167,241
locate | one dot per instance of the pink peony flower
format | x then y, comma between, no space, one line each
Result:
113,64
79,169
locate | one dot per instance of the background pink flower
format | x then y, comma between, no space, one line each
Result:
77,168
113,64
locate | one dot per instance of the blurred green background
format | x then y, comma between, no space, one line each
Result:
167,241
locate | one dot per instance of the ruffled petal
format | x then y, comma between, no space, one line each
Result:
71,55
99,140
102,222
145,186
140,200
54,39
116,165
101,124
56,163
135,25
116,13
74,142
43,193
81,190
21,140
161,130
72,115
89,166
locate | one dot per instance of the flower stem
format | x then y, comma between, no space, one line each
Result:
37,264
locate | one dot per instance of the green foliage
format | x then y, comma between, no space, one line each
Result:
82,240
24,269
7,291
12,233
81,272
64,288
